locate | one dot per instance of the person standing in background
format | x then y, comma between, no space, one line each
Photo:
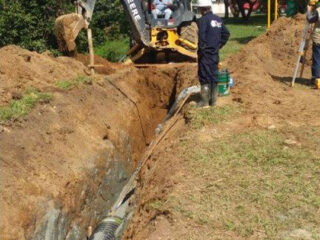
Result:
213,35
313,16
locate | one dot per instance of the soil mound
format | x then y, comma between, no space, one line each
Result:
276,51
102,66
263,70
21,69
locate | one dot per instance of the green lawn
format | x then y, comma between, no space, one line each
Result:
242,32
253,184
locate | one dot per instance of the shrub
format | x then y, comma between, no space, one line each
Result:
113,50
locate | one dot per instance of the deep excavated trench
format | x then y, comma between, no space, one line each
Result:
68,161
164,99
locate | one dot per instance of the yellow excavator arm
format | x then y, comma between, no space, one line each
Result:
151,38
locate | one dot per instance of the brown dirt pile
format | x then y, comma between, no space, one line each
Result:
21,69
102,66
263,71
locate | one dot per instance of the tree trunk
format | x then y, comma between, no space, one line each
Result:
226,7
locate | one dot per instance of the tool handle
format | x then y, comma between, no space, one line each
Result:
302,46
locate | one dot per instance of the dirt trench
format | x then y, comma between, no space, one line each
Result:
64,163
262,71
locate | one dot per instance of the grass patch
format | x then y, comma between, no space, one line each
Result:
113,50
253,185
68,84
156,205
242,32
201,117
21,107
65,84
83,80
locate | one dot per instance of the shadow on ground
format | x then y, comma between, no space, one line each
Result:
243,40
254,20
288,80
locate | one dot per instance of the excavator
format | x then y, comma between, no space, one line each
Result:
153,40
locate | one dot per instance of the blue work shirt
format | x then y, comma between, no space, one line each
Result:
213,35
161,5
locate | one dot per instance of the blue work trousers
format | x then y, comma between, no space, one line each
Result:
207,70
315,61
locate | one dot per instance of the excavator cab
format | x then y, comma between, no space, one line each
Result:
153,40
180,12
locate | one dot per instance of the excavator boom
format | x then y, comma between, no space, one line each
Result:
154,39
67,27
137,19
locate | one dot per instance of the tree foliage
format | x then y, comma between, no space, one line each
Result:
29,23
109,20
301,5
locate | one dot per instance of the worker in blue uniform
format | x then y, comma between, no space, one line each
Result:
313,16
213,35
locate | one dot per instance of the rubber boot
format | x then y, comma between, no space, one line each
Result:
313,81
317,83
205,96
213,94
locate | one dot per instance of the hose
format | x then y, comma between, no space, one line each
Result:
106,229
183,94
109,227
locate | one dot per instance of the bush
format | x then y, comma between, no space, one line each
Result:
30,24
113,50
300,5
109,21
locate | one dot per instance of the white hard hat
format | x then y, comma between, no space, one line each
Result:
204,3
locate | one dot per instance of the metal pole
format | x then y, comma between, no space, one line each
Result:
275,9
301,51
269,14
91,52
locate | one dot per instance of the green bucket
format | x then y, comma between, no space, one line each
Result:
223,77
291,8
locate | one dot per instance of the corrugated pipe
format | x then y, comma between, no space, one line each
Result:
106,229
109,227
183,94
